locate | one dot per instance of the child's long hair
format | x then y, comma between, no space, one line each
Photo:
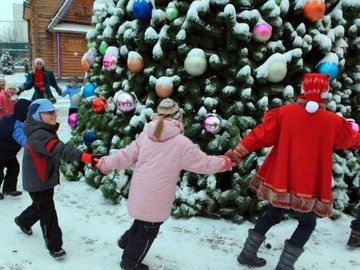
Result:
159,127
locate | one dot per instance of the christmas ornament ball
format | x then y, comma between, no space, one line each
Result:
262,32
90,136
329,68
164,91
85,65
89,90
136,65
314,10
277,71
171,13
355,126
103,47
73,120
142,9
99,104
212,123
195,62
76,99
126,102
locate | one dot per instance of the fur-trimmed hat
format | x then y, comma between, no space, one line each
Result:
39,60
168,108
39,106
314,89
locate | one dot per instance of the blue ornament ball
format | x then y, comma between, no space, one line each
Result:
142,9
329,68
89,137
89,90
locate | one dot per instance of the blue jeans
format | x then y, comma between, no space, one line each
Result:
355,224
273,216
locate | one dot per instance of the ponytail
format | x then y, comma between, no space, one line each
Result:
159,127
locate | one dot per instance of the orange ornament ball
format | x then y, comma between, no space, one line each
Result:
136,65
85,65
314,10
164,91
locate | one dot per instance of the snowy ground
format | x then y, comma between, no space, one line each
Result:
91,227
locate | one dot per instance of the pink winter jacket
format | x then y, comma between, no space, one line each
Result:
158,164
6,104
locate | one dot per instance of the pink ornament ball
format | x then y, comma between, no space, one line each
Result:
73,120
355,126
212,123
262,32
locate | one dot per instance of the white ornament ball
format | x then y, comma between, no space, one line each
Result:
277,71
125,102
311,106
212,123
195,62
76,99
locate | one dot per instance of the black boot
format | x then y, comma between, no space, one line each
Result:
354,239
248,254
288,257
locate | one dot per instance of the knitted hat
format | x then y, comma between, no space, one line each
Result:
39,60
168,108
21,109
10,86
40,105
314,89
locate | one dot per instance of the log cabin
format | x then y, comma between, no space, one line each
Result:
56,31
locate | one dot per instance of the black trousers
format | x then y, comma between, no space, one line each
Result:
139,239
10,178
72,110
273,215
43,209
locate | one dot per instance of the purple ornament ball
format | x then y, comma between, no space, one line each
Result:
73,120
262,32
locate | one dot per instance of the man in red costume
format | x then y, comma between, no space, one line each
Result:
297,173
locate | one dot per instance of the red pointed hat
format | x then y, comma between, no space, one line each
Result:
315,87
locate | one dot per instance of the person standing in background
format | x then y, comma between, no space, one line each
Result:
41,79
72,89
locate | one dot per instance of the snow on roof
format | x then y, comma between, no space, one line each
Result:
72,28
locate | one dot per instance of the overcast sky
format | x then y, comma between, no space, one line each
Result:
6,10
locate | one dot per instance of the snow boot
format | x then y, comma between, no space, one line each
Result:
248,254
354,239
288,257
138,266
24,229
57,254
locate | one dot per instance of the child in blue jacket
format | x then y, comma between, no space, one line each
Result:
72,89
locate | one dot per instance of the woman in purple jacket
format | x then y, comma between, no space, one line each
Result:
159,154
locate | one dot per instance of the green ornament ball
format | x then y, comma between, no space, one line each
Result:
103,47
278,2
90,44
171,13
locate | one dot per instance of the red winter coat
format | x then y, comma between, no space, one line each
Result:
297,173
6,104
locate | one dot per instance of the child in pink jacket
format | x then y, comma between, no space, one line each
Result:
159,154
8,98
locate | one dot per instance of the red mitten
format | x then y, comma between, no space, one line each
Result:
86,157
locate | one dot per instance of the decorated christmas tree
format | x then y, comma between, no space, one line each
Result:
226,63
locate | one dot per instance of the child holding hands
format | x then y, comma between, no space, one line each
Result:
159,154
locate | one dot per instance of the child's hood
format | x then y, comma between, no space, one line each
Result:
171,129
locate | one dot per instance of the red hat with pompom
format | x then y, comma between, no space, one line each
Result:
314,89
